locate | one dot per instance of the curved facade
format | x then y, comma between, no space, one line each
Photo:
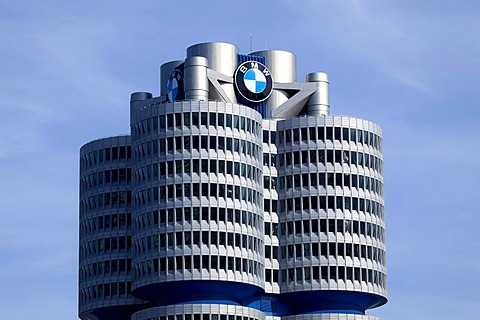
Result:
270,207
198,200
332,227
235,197
106,229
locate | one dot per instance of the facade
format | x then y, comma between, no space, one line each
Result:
236,196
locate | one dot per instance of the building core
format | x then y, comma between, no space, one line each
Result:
236,196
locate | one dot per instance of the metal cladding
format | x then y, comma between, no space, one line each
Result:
319,102
222,58
283,66
214,208
140,96
195,81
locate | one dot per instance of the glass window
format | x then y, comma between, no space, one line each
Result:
303,134
229,120
296,135
204,142
204,118
345,134
353,135
273,135
195,119
265,136
329,134
235,122
213,142
221,120
321,134
338,156
330,156
114,153
178,120
162,122
338,134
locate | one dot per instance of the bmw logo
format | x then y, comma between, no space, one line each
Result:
175,86
253,81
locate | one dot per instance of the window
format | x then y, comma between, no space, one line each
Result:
204,118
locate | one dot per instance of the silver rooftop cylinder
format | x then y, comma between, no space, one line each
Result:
195,79
140,96
137,100
222,58
166,70
283,67
319,102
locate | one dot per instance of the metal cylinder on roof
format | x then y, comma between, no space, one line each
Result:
222,58
283,67
140,96
319,102
282,64
196,81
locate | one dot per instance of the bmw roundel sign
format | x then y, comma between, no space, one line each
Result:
253,81
175,86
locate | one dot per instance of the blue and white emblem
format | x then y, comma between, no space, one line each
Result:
175,86
253,81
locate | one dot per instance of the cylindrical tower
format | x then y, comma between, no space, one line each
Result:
197,190
106,230
332,226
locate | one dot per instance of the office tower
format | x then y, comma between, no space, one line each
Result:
236,196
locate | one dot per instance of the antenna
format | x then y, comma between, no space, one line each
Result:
251,43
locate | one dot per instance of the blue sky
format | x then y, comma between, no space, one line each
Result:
67,69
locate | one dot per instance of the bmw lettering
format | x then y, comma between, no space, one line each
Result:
253,81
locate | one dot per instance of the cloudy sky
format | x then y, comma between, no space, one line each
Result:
67,69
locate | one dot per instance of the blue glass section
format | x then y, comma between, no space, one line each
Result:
271,305
236,293
184,292
324,301
117,312
314,302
